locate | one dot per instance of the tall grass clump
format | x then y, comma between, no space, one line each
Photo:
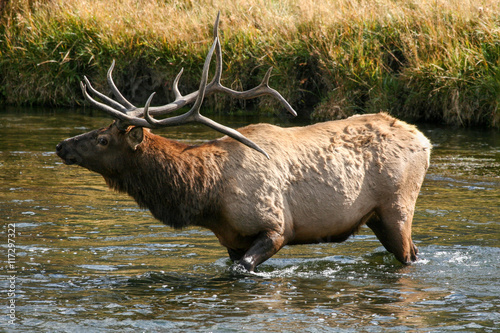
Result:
434,60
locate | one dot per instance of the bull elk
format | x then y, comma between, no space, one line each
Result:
311,184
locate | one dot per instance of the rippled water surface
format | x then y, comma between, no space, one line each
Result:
88,260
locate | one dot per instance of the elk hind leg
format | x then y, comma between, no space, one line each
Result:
392,226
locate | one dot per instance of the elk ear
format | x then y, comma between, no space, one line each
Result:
134,137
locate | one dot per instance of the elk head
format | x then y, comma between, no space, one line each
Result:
125,134
103,150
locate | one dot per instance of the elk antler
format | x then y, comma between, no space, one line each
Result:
128,114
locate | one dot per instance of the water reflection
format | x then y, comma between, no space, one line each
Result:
89,259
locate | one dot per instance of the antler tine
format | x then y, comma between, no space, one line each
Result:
216,26
193,115
123,118
175,86
260,90
116,92
180,100
105,98
130,109
231,133
215,83
112,107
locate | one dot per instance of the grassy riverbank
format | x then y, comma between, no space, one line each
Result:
433,60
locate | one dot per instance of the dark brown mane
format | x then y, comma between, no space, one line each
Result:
178,183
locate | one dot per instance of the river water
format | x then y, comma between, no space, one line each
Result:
88,260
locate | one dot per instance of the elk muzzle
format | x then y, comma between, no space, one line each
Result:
65,154
72,150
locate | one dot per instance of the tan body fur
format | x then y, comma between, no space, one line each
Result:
323,181
321,184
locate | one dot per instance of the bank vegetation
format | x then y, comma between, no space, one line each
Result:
421,60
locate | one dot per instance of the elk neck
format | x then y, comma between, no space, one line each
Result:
177,182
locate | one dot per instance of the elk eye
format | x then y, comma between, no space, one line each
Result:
102,141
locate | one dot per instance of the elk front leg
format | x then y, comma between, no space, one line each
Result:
235,255
263,248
